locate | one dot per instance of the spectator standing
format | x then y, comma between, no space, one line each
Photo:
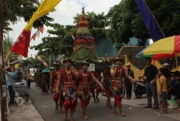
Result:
10,82
149,76
128,81
29,78
168,75
37,77
176,87
162,89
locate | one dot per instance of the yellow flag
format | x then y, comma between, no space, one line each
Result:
43,9
22,43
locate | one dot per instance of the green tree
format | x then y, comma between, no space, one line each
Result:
7,43
58,42
13,10
126,22
36,63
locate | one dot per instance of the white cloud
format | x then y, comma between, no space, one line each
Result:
65,11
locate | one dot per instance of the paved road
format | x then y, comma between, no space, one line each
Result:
96,111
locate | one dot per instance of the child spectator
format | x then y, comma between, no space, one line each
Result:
176,87
161,83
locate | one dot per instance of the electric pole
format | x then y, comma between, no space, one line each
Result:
2,72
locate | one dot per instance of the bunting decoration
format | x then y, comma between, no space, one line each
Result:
37,33
42,61
22,43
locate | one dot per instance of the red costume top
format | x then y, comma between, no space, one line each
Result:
85,79
54,77
67,79
120,73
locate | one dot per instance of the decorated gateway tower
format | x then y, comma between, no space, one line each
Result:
84,46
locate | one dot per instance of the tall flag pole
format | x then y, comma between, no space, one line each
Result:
73,37
22,43
42,61
151,24
3,85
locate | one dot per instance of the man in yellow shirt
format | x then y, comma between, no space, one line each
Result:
29,78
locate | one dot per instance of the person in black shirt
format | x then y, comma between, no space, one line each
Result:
149,76
127,81
176,87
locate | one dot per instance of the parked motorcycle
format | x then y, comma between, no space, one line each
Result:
139,89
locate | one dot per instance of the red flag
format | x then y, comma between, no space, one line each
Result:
34,36
22,43
41,29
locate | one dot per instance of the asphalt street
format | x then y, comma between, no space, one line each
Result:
96,111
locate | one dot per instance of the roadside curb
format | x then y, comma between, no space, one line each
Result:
27,112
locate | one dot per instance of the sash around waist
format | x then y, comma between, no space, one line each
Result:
84,85
116,80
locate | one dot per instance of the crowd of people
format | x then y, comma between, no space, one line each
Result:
69,84
15,77
161,84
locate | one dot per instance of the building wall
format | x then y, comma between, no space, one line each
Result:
104,47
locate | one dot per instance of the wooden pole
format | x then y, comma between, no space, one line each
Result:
7,57
2,72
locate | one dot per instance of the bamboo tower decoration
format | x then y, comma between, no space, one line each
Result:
84,46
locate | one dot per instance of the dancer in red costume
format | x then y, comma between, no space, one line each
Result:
67,78
117,79
57,97
84,91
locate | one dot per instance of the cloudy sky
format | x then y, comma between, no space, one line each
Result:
65,11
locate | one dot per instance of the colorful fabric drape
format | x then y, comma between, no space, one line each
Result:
22,43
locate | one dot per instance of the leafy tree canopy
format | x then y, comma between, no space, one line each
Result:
13,10
126,22
59,40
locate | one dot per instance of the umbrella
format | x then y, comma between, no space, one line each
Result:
163,48
45,71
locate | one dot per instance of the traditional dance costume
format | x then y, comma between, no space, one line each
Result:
69,89
84,89
117,82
